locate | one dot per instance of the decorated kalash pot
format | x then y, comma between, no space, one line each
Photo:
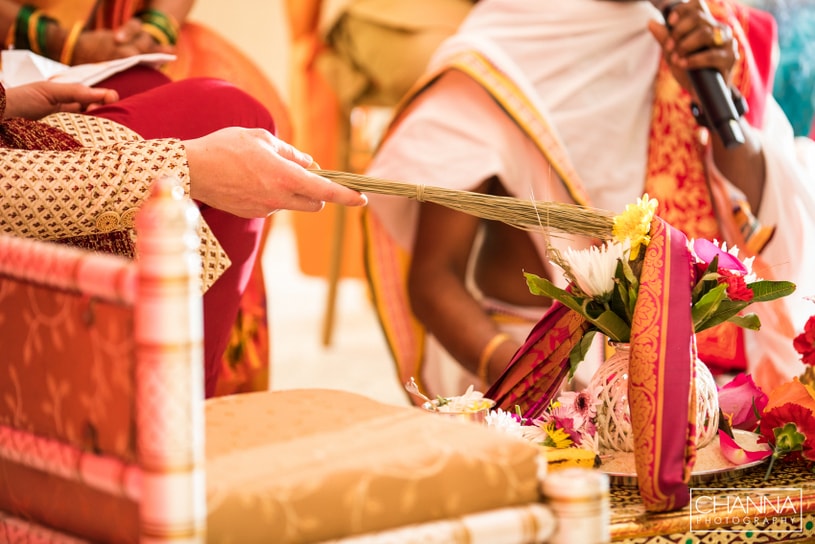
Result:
652,404
613,419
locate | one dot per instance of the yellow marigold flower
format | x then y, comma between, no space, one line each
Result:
635,224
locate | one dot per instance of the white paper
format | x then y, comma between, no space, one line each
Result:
21,66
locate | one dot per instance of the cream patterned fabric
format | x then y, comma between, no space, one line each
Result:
322,464
53,195
531,523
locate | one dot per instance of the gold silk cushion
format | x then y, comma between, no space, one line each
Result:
302,466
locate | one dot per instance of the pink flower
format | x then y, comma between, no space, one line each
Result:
706,251
567,425
581,406
741,402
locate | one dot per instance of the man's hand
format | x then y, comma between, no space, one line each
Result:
693,39
36,100
251,173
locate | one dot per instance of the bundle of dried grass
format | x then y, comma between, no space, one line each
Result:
531,215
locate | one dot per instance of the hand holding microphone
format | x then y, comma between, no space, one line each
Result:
703,34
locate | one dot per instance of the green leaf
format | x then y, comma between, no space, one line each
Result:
606,321
579,351
770,290
543,287
707,305
619,302
726,310
748,321
729,311
628,273
612,326
708,281
632,303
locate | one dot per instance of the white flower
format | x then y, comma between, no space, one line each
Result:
470,401
504,421
750,276
534,433
593,269
590,442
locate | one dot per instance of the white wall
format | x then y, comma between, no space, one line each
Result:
258,27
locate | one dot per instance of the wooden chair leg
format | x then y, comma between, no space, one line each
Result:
366,124
335,265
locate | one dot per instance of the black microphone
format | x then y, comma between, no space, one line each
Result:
715,99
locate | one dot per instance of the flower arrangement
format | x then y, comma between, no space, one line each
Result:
604,281
568,422
786,424
784,419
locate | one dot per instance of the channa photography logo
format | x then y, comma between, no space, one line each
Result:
741,510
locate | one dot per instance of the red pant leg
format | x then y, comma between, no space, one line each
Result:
134,80
189,109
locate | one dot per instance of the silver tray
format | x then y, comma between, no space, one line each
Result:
713,468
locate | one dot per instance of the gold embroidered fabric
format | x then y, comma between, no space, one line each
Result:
320,464
91,131
95,190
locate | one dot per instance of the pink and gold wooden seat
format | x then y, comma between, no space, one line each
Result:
105,435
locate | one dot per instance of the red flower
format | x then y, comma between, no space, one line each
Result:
804,343
736,286
804,421
788,423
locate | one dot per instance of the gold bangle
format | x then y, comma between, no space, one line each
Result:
67,54
487,353
12,31
32,31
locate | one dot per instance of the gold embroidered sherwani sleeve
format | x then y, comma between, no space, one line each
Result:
52,195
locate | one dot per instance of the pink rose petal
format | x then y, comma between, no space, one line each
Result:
737,399
738,455
707,250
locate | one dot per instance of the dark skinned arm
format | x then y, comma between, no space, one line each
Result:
438,292
690,45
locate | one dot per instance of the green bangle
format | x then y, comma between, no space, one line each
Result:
21,27
42,34
162,22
